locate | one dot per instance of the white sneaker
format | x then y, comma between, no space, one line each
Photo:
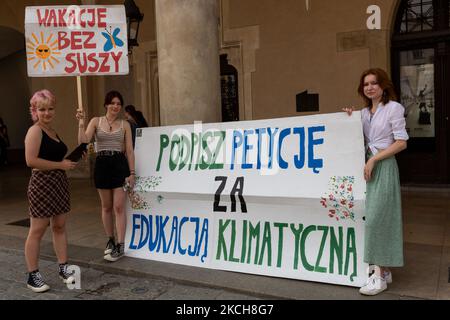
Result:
374,286
387,275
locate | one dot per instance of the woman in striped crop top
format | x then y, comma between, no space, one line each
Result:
114,168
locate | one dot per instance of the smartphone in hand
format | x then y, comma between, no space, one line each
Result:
77,153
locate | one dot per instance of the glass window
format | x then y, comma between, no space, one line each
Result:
418,16
417,91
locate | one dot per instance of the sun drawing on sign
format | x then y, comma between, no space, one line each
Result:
41,52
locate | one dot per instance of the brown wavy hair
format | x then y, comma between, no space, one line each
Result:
384,82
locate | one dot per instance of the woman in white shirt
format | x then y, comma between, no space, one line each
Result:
385,135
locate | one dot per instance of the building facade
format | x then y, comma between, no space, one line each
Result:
275,55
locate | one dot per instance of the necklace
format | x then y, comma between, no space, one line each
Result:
110,123
45,127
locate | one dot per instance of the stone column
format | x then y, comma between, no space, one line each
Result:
188,60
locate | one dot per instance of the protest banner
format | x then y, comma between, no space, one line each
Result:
279,197
76,41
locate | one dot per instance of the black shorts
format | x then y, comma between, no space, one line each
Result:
110,171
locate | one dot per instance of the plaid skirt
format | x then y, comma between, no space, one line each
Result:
48,193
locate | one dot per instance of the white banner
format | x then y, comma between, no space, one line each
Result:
76,40
279,197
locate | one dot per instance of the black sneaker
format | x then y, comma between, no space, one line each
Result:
110,246
116,254
36,282
66,276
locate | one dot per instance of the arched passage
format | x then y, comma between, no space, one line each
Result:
14,90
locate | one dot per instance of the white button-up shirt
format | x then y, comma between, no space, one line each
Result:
384,127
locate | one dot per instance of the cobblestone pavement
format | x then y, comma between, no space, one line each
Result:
98,285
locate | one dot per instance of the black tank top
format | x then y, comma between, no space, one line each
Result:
50,149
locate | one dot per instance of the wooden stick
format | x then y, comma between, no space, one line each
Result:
80,94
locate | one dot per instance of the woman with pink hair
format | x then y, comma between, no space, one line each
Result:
48,192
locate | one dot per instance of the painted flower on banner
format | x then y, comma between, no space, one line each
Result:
137,202
42,50
146,184
339,199
142,185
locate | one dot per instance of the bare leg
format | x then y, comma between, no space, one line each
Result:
60,237
106,197
119,210
33,242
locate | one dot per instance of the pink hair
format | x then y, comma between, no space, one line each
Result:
42,97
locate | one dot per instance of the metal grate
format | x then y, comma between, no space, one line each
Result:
418,16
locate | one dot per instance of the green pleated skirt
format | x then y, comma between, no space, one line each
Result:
383,225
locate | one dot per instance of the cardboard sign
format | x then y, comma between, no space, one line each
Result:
76,40
279,197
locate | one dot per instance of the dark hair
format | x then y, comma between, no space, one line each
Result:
111,95
137,116
130,109
384,82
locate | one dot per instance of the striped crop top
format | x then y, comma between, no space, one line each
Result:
109,141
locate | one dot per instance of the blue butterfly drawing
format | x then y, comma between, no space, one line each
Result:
112,40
